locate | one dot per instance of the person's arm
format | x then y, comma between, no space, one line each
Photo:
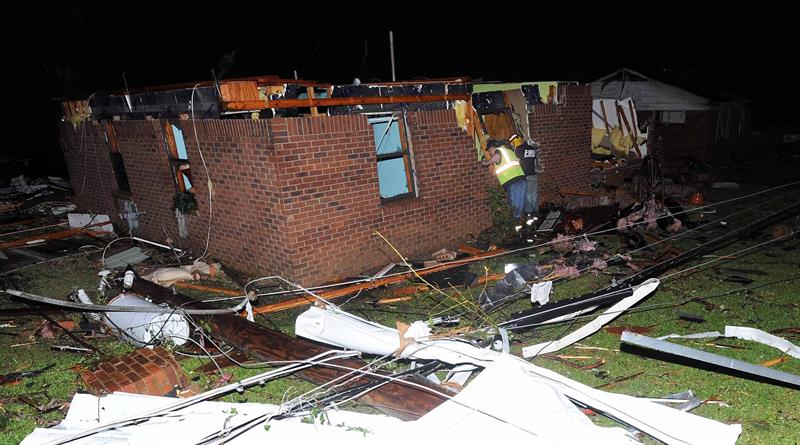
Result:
495,159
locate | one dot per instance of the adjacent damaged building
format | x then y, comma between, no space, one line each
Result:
301,179
683,119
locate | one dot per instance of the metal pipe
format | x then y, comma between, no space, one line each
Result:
391,54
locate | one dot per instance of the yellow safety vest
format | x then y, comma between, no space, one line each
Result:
509,167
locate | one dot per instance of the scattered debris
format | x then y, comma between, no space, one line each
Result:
760,336
15,377
688,317
443,255
134,255
540,292
639,292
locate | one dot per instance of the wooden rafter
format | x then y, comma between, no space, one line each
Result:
336,101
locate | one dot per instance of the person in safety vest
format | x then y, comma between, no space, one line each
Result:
509,173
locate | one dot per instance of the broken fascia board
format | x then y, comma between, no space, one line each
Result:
499,87
639,293
745,333
661,422
336,327
707,357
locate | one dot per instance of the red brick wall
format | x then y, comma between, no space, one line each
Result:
248,216
297,197
89,164
333,213
564,132
690,139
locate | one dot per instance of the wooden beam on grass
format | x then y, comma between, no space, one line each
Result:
348,290
39,239
210,289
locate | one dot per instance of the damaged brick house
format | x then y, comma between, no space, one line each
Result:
302,176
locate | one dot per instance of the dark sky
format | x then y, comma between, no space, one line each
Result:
73,51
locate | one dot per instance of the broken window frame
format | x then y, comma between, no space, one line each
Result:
180,167
117,162
404,153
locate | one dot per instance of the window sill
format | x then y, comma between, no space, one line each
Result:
401,203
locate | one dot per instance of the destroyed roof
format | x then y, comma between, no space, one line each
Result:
667,83
212,99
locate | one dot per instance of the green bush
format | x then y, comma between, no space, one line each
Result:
503,222
185,202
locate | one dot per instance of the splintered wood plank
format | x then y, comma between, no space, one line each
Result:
241,90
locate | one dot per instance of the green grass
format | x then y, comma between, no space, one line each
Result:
769,413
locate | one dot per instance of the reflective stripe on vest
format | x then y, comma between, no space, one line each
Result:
509,167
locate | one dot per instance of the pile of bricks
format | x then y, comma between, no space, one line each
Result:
144,371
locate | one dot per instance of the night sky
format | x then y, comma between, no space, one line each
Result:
58,51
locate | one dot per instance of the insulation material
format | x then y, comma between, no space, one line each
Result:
460,107
611,122
166,276
639,293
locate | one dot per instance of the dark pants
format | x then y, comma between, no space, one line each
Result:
532,194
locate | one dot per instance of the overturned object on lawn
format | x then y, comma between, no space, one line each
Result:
707,357
146,328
